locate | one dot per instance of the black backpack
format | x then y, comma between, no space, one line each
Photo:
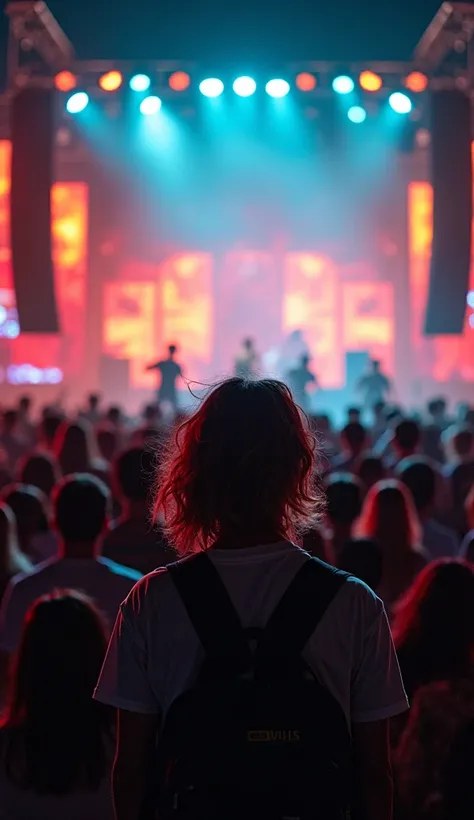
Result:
257,736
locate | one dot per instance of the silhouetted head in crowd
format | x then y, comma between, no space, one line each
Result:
114,416
152,415
10,421
389,516
12,559
460,443
74,447
50,424
420,477
362,557
407,437
31,510
353,415
344,494
107,443
132,480
434,625
93,401
370,470
24,406
437,411
59,734
81,511
353,438
39,470
240,471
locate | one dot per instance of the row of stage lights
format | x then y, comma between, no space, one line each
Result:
244,86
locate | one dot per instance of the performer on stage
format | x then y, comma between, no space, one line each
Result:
300,380
375,386
170,371
247,363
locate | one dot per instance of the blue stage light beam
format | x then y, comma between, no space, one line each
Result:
77,102
150,105
343,84
211,87
140,82
244,86
277,88
400,103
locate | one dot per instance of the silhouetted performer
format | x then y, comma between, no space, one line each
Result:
374,387
248,361
170,371
299,380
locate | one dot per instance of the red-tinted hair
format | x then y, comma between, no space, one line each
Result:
242,464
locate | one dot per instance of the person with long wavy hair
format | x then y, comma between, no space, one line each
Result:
235,486
389,517
55,741
434,635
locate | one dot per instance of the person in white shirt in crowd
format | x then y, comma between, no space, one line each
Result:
81,510
56,744
235,488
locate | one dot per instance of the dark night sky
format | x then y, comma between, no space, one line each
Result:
248,32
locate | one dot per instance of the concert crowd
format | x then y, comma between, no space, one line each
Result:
93,501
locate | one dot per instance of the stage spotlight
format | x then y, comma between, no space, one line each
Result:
277,88
416,82
343,84
77,103
357,114
140,82
400,103
111,81
244,86
305,81
370,81
211,87
65,81
470,299
179,81
150,105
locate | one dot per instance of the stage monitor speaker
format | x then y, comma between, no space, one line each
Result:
32,133
451,173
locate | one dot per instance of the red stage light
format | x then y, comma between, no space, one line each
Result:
179,81
111,81
306,81
416,82
370,81
65,81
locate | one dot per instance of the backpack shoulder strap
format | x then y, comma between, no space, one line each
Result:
210,609
301,609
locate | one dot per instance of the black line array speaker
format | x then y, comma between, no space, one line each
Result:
32,133
451,173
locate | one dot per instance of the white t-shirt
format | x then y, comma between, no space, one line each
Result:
154,653
102,580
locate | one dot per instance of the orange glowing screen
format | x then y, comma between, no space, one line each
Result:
311,304
6,279
368,320
129,327
186,308
65,81
416,82
111,81
370,81
179,81
306,81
